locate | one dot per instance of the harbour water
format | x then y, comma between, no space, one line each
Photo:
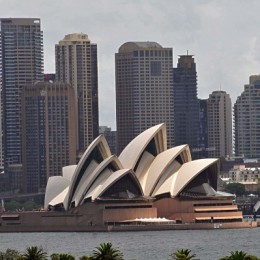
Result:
156,245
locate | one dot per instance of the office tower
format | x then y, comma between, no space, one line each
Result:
110,136
143,90
186,105
76,64
48,132
202,150
219,124
1,116
21,64
247,120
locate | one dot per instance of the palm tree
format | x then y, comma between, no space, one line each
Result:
62,257
34,253
182,254
239,255
84,257
105,251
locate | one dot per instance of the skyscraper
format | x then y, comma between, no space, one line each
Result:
144,92
186,104
247,120
202,150
48,132
76,64
21,64
219,124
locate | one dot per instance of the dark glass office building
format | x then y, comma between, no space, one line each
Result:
186,105
21,64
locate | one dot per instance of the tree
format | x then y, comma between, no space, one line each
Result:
34,253
84,257
62,257
235,188
239,255
105,251
182,254
10,254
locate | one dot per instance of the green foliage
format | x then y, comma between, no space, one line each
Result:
182,254
105,251
10,254
235,188
13,205
16,205
84,257
239,255
30,205
62,257
34,253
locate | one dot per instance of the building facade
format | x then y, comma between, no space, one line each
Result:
186,104
48,132
21,64
110,136
219,124
76,64
243,174
202,150
247,120
143,90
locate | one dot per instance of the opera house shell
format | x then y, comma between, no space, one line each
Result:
147,187
146,181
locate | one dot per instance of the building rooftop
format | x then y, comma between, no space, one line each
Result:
131,46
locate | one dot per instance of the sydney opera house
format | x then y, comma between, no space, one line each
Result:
146,183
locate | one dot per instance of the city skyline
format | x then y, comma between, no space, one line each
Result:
224,42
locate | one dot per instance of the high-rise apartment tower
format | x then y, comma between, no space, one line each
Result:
144,92
76,64
219,125
21,63
247,120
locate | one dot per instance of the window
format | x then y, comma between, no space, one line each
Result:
155,68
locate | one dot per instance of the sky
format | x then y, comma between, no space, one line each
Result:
223,36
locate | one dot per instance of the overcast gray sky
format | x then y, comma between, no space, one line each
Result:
223,35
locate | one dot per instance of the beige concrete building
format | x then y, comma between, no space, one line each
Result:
219,124
144,90
247,120
48,132
76,64
243,174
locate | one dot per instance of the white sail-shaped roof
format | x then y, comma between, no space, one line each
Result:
177,182
68,171
103,151
55,185
132,152
58,200
145,167
164,164
95,177
113,178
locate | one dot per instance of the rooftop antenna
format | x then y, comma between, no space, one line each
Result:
187,52
220,86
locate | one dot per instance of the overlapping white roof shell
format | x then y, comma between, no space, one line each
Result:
180,179
155,171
